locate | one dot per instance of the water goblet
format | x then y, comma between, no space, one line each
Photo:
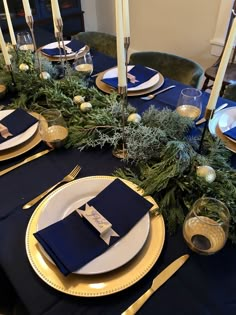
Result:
24,41
52,128
190,103
83,65
205,228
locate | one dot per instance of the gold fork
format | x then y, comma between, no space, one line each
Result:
68,178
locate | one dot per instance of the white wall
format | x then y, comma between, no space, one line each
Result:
183,27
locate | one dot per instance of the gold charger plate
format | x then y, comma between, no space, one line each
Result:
22,148
108,89
229,144
102,284
56,59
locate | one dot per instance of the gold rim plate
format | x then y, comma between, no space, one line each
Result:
22,148
229,144
101,284
72,57
108,89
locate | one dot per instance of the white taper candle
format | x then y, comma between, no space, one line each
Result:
126,18
27,9
9,23
4,49
122,81
56,14
222,68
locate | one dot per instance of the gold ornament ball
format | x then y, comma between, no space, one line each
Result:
78,99
134,118
207,172
44,75
3,90
23,67
85,107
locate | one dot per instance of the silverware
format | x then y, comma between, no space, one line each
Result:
151,96
68,178
203,119
157,282
29,159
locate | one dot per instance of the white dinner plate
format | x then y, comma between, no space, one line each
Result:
113,72
227,121
21,138
55,45
213,123
73,195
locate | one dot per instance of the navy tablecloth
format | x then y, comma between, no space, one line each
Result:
205,285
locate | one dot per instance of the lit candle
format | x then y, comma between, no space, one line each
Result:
222,68
27,9
120,45
4,49
9,23
56,14
126,18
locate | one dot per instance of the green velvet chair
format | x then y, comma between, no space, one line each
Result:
230,92
171,66
102,42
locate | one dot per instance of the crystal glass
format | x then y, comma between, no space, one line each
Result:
24,41
52,128
190,103
83,65
205,228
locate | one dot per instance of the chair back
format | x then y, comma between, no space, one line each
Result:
172,66
102,42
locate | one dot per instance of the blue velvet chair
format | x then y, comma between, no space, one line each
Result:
171,66
230,92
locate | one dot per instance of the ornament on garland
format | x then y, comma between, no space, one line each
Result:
207,172
134,118
23,67
44,75
85,107
78,99
3,90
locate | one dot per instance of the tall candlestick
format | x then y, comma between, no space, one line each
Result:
9,23
4,49
122,81
126,18
27,9
56,15
222,68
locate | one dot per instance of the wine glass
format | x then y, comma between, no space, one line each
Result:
24,41
52,128
83,65
205,228
190,103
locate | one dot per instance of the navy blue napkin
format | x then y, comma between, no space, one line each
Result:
141,73
231,133
74,45
17,122
73,242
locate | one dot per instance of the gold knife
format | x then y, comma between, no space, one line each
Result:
29,159
157,282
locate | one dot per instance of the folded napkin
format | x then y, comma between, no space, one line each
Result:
16,123
74,45
231,133
73,241
141,74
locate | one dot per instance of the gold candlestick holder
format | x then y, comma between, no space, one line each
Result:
121,150
30,23
208,115
60,40
10,70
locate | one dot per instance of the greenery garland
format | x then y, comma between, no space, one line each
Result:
163,157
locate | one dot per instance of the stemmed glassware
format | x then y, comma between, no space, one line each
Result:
24,41
83,65
52,128
190,103
205,228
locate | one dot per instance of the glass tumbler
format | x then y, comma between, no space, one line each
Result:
190,103
24,41
205,228
52,128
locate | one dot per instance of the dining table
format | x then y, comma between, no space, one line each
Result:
205,285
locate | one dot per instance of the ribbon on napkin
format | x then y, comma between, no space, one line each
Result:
231,133
73,241
138,74
74,45
16,122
